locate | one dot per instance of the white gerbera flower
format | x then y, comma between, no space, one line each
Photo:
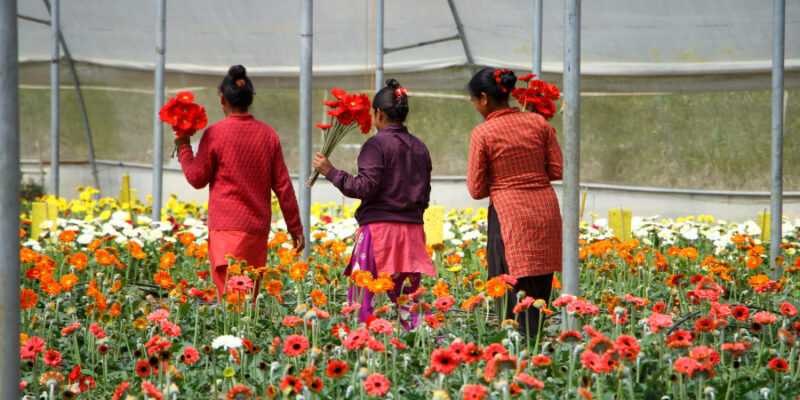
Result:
227,341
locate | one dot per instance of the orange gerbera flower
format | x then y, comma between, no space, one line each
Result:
163,279
67,281
274,287
756,281
361,278
201,252
167,260
104,257
495,288
187,238
739,238
79,261
27,255
382,284
440,289
689,252
50,286
756,250
115,310
136,250
318,298
674,251
753,262
556,283
67,236
28,299
298,271
278,239
453,259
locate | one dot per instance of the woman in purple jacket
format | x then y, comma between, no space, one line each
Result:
394,185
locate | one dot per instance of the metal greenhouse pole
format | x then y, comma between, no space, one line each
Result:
537,38
462,36
306,41
378,45
776,198
572,113
54,97
9,201
79,93
158,102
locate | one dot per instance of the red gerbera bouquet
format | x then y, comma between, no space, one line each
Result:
183,115
538,96
347,112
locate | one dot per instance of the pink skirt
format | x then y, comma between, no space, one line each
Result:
400,248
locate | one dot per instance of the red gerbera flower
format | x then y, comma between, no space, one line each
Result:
239,392
142,368
52,358
190,355
121,391
788,309
336,368
704,324
472,353
315,384
376,385
292,382
443,361
779,364
295,345
492,350
184,97
474,392
741,313
151,390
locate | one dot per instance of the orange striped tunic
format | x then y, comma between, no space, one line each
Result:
513,156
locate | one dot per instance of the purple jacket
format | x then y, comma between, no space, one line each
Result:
394,178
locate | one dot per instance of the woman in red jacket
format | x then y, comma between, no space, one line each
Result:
241,159
513,157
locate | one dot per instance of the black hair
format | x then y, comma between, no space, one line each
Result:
496,83
387,100
237,88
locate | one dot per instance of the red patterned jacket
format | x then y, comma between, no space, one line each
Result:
513,156
241,159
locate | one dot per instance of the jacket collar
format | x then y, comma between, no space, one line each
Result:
504,111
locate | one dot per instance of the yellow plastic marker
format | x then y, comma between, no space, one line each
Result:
620,223
434,225
125,191
763,223
38,215
52,214
583,204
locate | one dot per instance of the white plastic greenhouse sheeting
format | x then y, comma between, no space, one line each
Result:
627,45
451,192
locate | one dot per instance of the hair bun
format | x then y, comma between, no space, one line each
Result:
237,72
393,84
508,79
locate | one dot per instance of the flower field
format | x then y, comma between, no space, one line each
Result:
123,308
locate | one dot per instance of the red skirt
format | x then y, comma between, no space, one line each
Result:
242,246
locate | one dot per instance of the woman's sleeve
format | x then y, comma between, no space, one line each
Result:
284,191
477,168
554,163
370,169
198,168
